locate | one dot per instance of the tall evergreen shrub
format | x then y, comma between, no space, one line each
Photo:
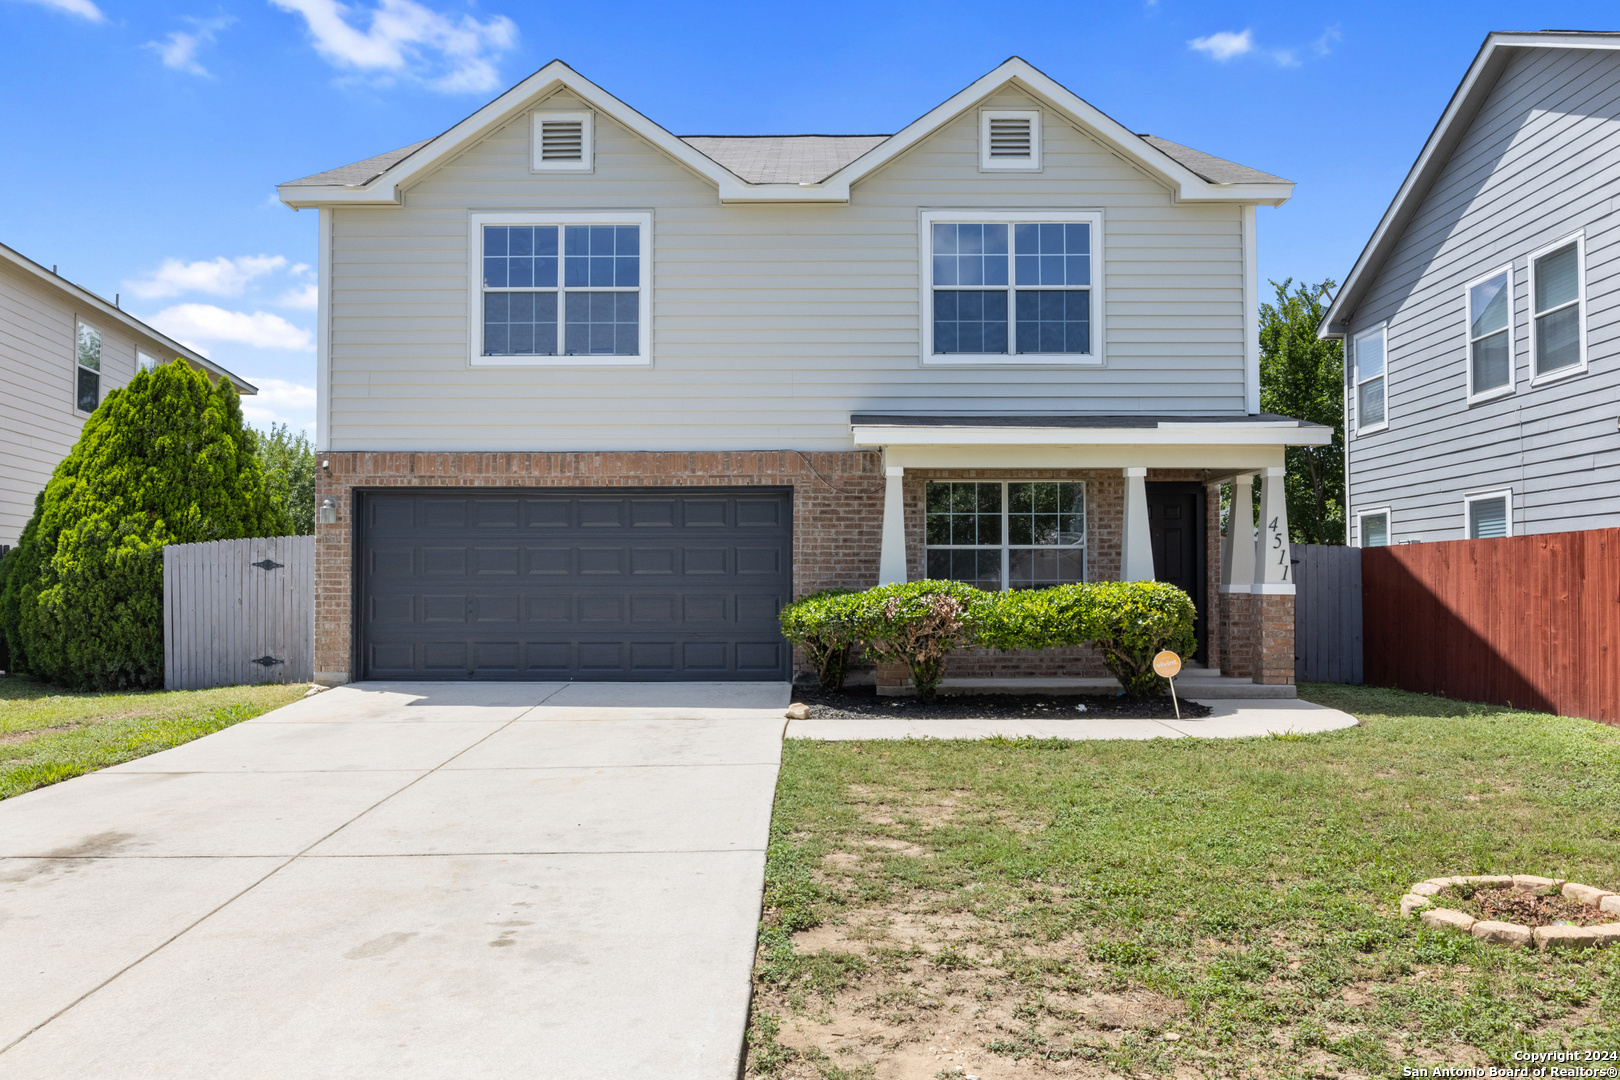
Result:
164,460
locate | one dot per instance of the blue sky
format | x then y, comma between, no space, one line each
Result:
143,141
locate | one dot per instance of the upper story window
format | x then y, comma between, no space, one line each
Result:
1371,414
1490,334
1006,534
87,389
1010,139
1489,515
1018,289
562,141
569,290
1557,295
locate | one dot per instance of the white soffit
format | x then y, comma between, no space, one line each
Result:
1265,433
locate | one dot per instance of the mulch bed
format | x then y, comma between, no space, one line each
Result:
1528,908
860,702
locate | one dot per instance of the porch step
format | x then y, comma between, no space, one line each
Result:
1195,684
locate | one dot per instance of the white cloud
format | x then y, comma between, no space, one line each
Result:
1323,46
402,37
195,323
82,8
217,277
180,50
1224,45
302,298
281,402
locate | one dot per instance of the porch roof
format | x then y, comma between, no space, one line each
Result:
1083,429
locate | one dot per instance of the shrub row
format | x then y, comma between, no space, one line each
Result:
920,623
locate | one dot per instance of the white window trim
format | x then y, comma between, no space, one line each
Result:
587,162
1382,425
475,289
1468,344
1029,164
1007,546
1389,523
101,374
1505,494
1579,239
927,219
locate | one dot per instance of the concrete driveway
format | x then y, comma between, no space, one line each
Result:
401,880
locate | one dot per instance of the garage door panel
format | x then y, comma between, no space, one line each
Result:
594,599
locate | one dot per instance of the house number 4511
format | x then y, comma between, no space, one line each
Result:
1280,546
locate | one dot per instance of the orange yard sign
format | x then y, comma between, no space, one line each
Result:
1167,665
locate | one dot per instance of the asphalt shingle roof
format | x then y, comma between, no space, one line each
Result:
361,172
1208,166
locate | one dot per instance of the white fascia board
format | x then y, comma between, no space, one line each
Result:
1213,460
1263,434
1461,109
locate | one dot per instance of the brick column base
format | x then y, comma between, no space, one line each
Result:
1239,634
1275,654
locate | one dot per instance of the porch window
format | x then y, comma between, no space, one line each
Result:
1006,534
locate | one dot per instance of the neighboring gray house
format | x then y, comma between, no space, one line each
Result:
595,400
62,348
1482,321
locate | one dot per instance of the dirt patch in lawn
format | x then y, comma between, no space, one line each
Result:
11,738
1528,907
861,702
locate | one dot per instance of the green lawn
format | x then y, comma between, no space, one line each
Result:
47,734
1179,907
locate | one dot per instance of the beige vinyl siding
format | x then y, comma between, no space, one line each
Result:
1536,165
771,323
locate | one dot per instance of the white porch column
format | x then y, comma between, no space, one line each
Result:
892,557
1137,541
1237,561
1272,571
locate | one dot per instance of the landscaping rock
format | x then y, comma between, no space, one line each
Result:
1426,888
1610,903
1501,933
1489,879
1412,902
1607,933
1585,894
1567,937
798,711
1445,882
1531,881
1447,917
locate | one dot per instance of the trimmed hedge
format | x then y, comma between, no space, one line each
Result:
919,623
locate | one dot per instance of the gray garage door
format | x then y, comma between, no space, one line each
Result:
551,584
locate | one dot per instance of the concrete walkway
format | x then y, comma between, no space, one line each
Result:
401,881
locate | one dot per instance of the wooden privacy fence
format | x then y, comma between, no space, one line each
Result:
1531,621
239,611
1327,613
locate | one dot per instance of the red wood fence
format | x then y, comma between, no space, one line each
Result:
1531,621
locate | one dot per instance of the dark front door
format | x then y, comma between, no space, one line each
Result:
580,584
1176,523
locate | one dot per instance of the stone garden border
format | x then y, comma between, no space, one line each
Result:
1419,901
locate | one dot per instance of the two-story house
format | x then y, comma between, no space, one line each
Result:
1483,318
595,401
62,349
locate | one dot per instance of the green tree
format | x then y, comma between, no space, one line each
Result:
1302,376
164,460
288,463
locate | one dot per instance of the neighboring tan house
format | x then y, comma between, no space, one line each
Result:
1483,319
62,348
595,401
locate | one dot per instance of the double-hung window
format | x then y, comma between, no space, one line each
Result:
1012,287
571,289
1490,334
1006,534
1371,414
1557,295
87,349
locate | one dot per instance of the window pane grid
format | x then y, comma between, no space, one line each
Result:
1049,312
599,290
1005,534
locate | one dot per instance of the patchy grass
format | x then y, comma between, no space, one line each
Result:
1179,907
48,735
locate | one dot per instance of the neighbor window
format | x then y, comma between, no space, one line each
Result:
1375,528
145,361
87,392
1490,333
1012,289
571,292
1489,515
1556,289
1370,411
1006,534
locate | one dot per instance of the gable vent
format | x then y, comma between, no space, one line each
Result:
562,140
1011,138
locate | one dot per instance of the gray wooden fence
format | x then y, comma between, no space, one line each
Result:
239,611
1327,613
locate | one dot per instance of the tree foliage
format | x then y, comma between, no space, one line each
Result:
1302,376
288,463
164,460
